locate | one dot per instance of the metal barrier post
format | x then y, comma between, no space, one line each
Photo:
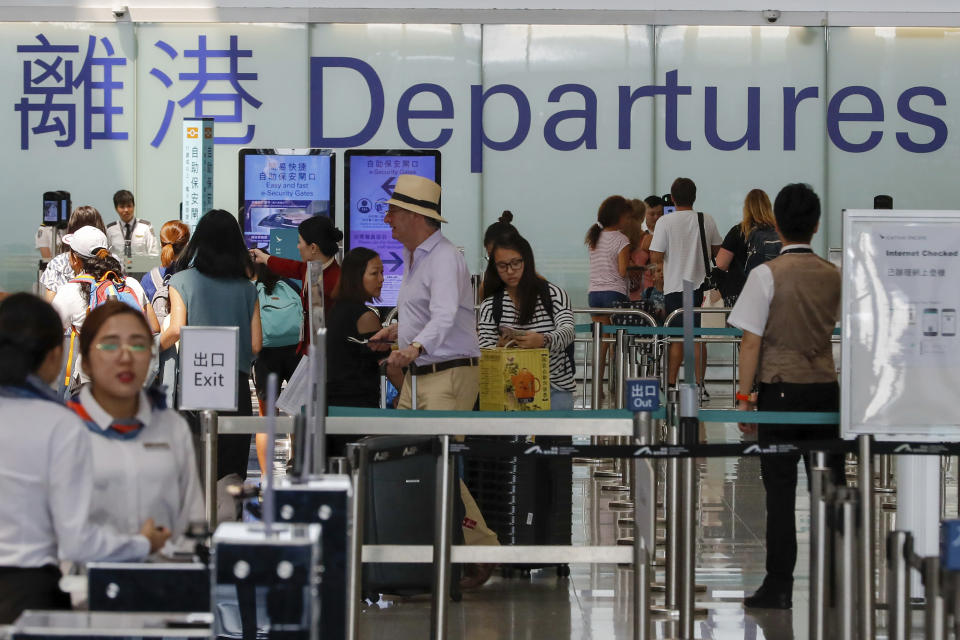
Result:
443,523
645,530
208,436
867,546
687,544
357,453
672,508
620,369
819,483
596,383
845,510
899,547
934,613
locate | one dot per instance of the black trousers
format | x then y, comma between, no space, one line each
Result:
30,588
780,472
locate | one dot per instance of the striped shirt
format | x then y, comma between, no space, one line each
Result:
560,330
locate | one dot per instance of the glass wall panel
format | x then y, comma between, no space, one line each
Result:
741,112
901,82
570,78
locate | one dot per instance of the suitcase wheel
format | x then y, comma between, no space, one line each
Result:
563,570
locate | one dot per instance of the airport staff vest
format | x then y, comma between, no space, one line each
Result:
796,341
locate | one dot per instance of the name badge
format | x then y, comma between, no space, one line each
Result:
156,445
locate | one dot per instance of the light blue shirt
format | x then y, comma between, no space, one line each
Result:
435,304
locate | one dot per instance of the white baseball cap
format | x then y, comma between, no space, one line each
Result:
86,241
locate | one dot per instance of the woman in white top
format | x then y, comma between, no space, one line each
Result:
93,262
522,307
46,475
609,258
143,457
59,270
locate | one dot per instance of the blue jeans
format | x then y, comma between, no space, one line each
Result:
605,299
560,400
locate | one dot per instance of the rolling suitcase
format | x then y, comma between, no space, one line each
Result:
526,500
399,509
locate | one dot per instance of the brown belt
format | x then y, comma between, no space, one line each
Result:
426,369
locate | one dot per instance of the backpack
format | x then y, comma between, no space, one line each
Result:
161,296
762,244
110,286
281,315
547,303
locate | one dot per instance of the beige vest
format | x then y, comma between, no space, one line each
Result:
804,310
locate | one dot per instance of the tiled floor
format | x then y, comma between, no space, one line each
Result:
594,602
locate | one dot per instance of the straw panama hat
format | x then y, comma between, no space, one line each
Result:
417,194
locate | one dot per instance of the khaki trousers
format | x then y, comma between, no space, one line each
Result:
453,390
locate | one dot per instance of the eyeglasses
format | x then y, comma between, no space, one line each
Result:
513,265
135,348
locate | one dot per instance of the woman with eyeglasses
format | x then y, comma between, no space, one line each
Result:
143,459
47,479
524,310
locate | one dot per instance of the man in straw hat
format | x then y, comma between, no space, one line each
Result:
436,332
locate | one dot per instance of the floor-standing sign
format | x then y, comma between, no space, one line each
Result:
197,178
900,346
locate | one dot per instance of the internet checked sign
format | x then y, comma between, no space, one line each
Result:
643,394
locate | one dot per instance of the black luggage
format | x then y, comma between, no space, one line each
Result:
526,500
399,509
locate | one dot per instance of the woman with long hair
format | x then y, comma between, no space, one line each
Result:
212,288
609,257
47,481
317,241
144,463
733,254
521,307
59,270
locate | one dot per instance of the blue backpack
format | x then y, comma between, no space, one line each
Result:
281,315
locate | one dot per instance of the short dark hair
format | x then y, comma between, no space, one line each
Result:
653,201
122,197
797,212
350,286
29,330
319,230
216,248
684,192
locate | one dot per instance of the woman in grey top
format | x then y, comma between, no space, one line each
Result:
212,288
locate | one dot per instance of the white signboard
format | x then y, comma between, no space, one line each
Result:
197,169
900,344
208,368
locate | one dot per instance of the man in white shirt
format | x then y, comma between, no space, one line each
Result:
130,236
677,246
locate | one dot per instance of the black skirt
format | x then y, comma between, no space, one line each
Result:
23,588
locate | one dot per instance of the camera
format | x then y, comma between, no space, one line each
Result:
771,15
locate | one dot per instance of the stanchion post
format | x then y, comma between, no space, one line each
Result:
644,398
934,612
443,525
208,435
819,483
866,583
621,365
672,508
689,427
846,510
899,547
596,383
357,454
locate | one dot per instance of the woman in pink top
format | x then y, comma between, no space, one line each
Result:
609,257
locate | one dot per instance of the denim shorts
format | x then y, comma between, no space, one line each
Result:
605,299
674,301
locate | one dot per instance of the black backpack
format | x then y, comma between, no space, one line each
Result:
762,244
547,303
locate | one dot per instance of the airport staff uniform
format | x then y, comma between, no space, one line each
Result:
50,238
46,480
143,241
151,475
793,303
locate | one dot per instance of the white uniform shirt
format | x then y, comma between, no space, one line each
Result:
50,238
151,476
677,237
143,241
46,480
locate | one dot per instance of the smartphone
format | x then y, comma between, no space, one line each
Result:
931,321
948,322
668,209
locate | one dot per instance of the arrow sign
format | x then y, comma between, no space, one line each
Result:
396,261
389,186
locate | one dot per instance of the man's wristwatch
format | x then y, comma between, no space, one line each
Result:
418,346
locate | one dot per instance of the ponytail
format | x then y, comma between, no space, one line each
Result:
593,235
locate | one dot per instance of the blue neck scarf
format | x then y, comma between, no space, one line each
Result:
125,428
33,388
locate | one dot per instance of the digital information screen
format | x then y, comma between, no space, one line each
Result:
280,188
370,178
